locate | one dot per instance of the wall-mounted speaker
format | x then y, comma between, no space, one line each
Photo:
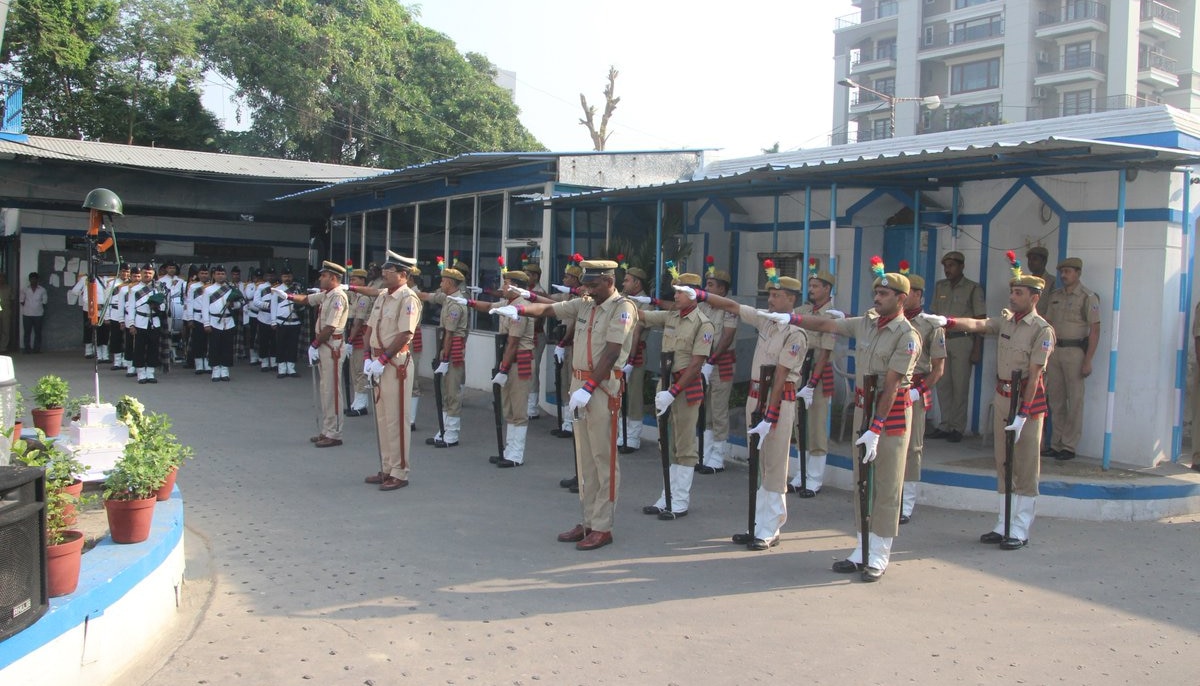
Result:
23,598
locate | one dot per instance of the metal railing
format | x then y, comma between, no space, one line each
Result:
1076,62
880,11
1152,9
1157,60
1078,10
967,34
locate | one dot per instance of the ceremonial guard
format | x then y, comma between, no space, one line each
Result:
817,393
251,313
284,327
957,296
79,294
325,351
194,311
782,348
534,271
104,285
564,292
717,372
604,323
221,307
518,351
360,311
264,301
173,285
1024,344
452,333
394,318
688,338
887,351
1074,312
416,347
926,373
635,287
147,317
115,316
241,319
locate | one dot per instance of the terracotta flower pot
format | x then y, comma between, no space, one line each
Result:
17,427
164,491
48,420
70,515
62,564
129,520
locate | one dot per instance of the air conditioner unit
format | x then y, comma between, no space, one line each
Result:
1041,92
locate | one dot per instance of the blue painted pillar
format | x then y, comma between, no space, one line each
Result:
1118,276
1185,297
807,244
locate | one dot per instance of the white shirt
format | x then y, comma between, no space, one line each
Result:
33,301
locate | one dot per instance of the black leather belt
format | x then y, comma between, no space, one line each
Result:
956,334
1073,343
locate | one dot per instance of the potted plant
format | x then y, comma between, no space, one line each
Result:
18,413
74,407
130,486
50,393
62,468
155,435
64,545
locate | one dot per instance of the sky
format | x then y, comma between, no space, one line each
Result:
737,77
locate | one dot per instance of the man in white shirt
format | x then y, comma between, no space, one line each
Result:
33,312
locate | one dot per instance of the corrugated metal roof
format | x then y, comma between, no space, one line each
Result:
142,157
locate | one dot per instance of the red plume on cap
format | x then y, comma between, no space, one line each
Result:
877,266
1011,256
712,268
349,263
500,261
710,259
904,267
772,272
577,258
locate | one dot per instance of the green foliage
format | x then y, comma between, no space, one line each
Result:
62,468
74,406
50,392
57,501
19,407
152,452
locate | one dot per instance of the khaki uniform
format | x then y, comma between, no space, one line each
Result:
720,384
567,373
635,384
333,309
454,319
539,349
893,348
817,416
393,314
360,308
778,345
964,299
514,395
596,325
1022,344
1072,314
933,347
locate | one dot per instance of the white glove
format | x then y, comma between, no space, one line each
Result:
442,368
314,355
521,292
761,430
641,299
914,395
367,365
627,369
836,314
777,317
507,311
314,290
560,354
1016,426
342,287
706,371
870,439
560,289
662,402
373,368
457,299
691,292
474,290
937,319
500,379
806,394
280,292
579,400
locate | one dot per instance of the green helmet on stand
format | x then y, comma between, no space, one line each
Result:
104,200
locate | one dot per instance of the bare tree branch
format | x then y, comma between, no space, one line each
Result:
600,137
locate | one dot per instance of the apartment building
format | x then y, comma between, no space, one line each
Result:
906,67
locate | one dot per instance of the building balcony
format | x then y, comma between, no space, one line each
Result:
1159,19
1071,69
961,41
1158,69
884,58
862,102
1076,17
865,21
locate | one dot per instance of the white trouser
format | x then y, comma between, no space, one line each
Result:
880,552
453,424
532,410
514,446
359,402
815,472
909,500
681,489
770,513
1022,516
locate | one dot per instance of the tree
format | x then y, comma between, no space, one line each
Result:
356,82
600,136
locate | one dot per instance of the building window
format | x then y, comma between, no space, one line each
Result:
1077,102
973,116
975,76
960,4
880,129
887,86
788,264
886,49
926,120
977,29
888,8
1077,55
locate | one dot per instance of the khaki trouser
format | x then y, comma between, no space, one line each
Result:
1064,392
331,389
889,479
773,456
514,398
717,408
596,452
1027,463
818,423
416,375
684,446
356,369
954,387
391,415
916,442
452,383
634,386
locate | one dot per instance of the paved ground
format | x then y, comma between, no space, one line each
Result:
300,573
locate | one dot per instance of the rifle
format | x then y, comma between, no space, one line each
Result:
667,361
437,387
702,419
375,421
1014,404
866,472
625,420
766,379
497,402
802,422
558,392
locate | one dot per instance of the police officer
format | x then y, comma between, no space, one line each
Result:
360,311
1025,343
817,393
888,347
567,290
115,316
333,309
957,296
634,287
534,271
265,302
221,308
688,336
416,348
79,293
1036,259
930,365
452,331
718,373
1074,312
173,285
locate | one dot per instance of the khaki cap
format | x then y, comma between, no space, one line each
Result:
916,282
1029,281
1038,250
1071,262
638,273
896,282
954,255
573,270
331,267
687,279
452,273
721,275
360,273
824,276
514,275
786,283
593,269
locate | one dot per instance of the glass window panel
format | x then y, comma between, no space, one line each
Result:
433,244
491,216
524,221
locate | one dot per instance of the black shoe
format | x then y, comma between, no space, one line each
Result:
264,370
508,464
573,489
565,434
742,539
1050,452
652,510
806,493
760,544
569,482
152,380
443,444
351,412
991,537
225,378
215,379
846,567
953,437
937,433
431,440
905,519
1196,465
625,450
667,515
293,375
872,574
1013,544
1064,455
280,375
705,469
412,427
559,433
141,381
198,371
494,459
